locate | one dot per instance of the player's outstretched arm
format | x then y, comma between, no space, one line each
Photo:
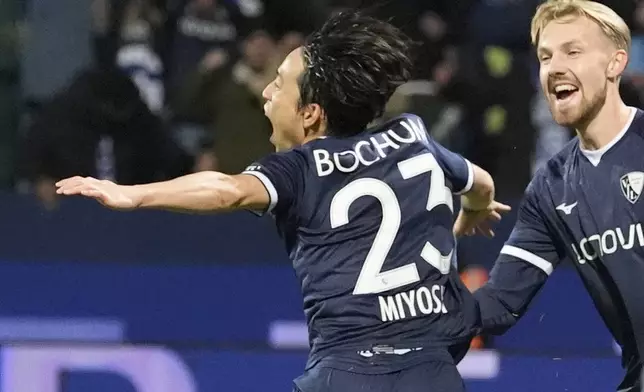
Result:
527,259
505,298
198,192
478,207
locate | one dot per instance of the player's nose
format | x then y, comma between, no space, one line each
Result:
557,66
266,94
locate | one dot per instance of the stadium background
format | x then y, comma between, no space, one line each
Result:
141,90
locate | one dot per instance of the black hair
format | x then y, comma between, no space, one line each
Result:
353,64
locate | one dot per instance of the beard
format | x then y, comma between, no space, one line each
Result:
580,113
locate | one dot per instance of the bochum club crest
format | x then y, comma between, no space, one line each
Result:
631,185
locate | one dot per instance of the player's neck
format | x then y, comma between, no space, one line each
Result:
313,134
605,126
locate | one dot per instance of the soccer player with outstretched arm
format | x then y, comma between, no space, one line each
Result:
365,213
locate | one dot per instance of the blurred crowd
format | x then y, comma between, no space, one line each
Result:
144,90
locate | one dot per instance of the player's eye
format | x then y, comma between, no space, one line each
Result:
277,82
574,53
544,58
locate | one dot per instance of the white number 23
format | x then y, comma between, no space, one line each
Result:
372,279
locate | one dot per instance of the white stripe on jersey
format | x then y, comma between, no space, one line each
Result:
272,192
470,179
531,258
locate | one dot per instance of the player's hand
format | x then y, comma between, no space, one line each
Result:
109,194
471,222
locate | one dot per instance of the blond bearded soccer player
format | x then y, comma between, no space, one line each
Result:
365,214
585,203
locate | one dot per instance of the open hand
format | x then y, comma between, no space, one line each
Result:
109,194
470,222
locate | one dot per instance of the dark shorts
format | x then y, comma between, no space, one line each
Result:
425,377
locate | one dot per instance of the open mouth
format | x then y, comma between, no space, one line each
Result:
564,91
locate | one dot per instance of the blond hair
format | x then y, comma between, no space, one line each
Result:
610,23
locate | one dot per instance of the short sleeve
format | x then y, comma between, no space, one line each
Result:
281,174
457,169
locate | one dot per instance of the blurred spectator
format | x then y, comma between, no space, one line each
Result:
202,64
503,23
203,27
99,126
115,19
440,27
495,90
230,104
136,54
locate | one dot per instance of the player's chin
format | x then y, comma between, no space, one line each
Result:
566,119
567,116
273,140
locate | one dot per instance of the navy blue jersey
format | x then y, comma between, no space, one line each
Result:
584,206
367,222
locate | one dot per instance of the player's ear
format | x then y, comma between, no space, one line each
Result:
617,64
312,116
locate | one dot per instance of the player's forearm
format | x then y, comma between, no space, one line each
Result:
482,192
198,192
496,316
505,298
